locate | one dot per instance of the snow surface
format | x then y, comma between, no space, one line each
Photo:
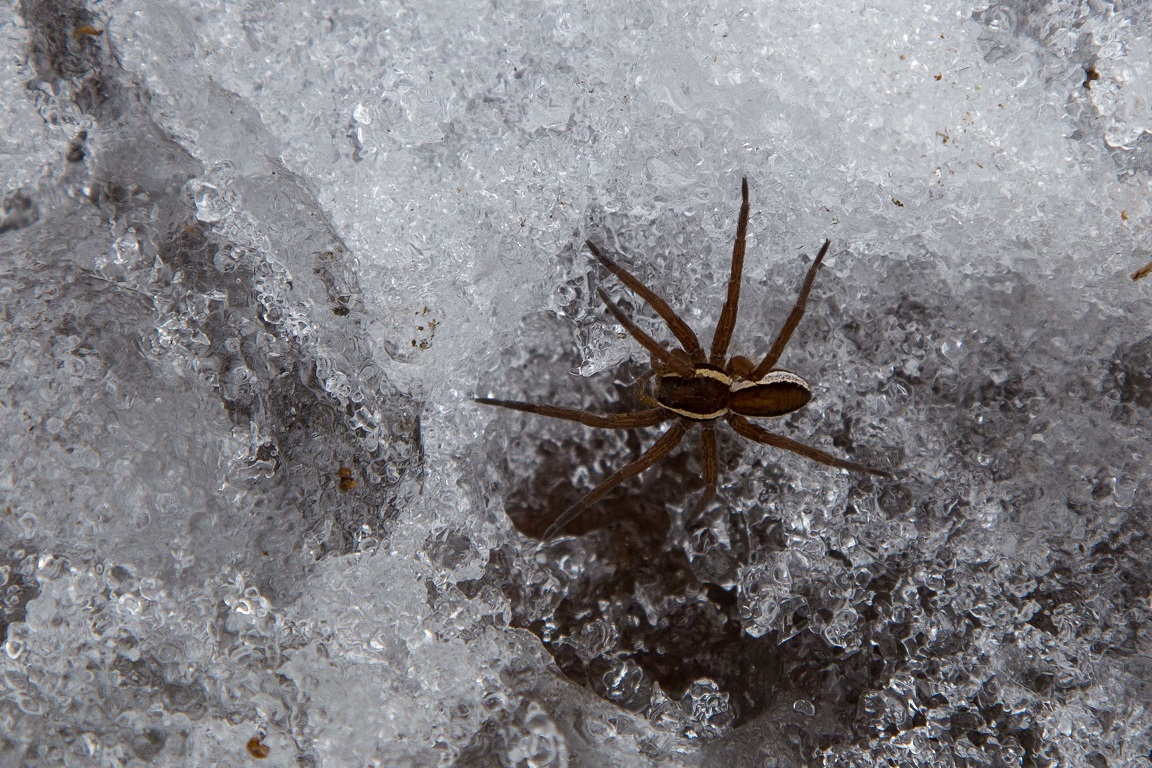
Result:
257,258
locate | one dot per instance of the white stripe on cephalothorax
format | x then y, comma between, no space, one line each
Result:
710,373
697,416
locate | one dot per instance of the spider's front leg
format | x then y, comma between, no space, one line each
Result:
789,327
633,420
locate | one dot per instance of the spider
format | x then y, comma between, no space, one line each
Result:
694,387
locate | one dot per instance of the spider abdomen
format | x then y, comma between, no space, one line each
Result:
777,393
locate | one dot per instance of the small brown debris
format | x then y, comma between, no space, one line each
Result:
1091,75
257,748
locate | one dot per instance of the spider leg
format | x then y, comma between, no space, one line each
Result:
793,320
727,320
645,418
679,328
681,367
709,461
761,435
659,450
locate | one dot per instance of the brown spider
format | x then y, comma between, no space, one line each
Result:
698,388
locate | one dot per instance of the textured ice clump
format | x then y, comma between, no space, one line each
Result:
767,588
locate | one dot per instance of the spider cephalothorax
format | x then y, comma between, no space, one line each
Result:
697,388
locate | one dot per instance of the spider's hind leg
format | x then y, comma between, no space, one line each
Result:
659,450
761,435
709,463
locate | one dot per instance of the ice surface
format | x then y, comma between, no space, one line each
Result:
256,259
